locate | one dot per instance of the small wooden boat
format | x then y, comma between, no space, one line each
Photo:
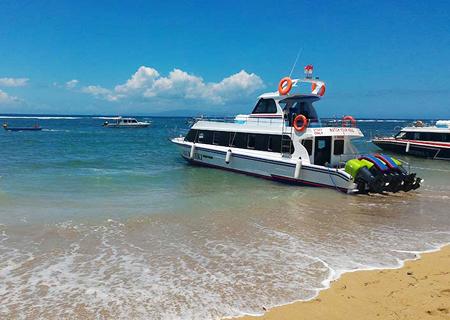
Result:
36,127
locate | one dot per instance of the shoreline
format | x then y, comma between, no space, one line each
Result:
378,293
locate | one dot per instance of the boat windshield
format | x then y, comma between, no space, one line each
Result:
300,105
400,135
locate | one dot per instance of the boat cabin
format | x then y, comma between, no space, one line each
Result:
270,128
424,134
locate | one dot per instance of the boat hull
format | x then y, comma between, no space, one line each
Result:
420,149
268,168
127,126
23,129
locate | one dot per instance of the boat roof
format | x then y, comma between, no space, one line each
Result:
426,129
278,97
419,126
275,128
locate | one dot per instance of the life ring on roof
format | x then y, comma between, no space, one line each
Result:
348,118
285,86
304,120
321,90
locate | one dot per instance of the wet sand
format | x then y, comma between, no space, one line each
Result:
418,290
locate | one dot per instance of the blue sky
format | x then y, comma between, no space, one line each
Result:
378,58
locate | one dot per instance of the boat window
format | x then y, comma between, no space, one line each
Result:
205,137
222,138
445,137
191,135
261,142
265,106
274,143
401,135
299,105
308,144
216,137
425,136
251,141
134,121
338,147
238,140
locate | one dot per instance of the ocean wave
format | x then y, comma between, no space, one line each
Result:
41,117
54,130
106,118
381,120
149,267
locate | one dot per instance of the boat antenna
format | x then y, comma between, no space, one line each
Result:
299,53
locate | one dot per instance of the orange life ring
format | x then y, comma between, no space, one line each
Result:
304,123
285,86
322,90
348,118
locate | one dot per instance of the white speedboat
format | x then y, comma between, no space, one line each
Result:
419,139
283,140
120,122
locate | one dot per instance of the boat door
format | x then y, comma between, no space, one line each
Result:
322,150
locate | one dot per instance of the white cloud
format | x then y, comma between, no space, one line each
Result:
13,82
147,84
142,78
7,99
72,84
101,93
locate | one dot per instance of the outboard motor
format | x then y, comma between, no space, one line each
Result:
379,173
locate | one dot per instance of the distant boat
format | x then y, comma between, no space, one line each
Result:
420,140
36,127
126,123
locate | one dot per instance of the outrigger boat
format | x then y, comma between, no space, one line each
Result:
419,139
36,127
283,140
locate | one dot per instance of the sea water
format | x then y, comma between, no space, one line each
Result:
99,222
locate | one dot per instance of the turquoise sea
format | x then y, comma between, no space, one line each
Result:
112,223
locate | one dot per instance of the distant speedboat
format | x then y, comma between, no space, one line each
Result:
36,127
126,123
420,140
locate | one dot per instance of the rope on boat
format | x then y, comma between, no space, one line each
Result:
332,180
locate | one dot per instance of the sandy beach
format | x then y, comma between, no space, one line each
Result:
418,290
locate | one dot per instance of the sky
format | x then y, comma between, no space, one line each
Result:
384,59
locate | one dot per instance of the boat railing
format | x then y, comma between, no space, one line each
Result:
252,121
259,121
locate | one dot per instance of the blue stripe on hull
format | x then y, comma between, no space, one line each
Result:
280,163
276,178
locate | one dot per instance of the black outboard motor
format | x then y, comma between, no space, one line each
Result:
379,173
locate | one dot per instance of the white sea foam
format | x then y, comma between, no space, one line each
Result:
170,272
106,118
41,117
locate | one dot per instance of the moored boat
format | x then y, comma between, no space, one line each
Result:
120,122
283,140
419,139
36,127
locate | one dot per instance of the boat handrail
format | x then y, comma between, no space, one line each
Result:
255,121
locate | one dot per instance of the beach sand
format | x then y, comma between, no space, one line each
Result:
418,290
